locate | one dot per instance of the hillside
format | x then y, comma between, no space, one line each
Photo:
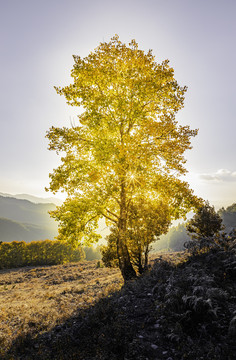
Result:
14,231
180,310
21,219
229,216
25,211
25,216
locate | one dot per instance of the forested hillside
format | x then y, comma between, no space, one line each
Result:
229,216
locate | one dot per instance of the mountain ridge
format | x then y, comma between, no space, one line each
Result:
34,199
23,220
11,230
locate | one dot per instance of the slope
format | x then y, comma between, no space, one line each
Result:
23,220
11,230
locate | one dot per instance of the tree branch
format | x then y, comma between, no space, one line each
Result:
109,218
93,217
111,213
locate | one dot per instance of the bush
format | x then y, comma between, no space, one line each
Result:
223,241
44,252
109,251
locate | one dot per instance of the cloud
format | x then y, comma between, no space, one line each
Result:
219,176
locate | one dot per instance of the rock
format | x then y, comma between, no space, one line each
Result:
232,327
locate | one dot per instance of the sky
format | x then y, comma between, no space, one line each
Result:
38,39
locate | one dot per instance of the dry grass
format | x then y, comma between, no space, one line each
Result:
173,257
184,311
35,299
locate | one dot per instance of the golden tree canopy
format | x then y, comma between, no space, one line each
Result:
127,143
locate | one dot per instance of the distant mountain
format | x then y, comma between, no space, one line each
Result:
26,211
25,217
14,231
34,199
25,220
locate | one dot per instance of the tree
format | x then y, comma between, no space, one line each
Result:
109,251
126,145
205,223
146,222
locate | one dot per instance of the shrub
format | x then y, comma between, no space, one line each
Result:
44,252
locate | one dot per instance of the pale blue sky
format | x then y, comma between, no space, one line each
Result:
38,39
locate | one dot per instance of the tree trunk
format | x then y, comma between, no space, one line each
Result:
146,258
140,265
125,265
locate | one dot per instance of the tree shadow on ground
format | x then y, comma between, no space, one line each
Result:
174,312
102,331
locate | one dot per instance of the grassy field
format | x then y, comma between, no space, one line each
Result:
36,299
181,309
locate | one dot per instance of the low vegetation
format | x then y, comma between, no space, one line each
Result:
44,252
184,308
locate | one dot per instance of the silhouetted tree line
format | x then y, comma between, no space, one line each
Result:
44,252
